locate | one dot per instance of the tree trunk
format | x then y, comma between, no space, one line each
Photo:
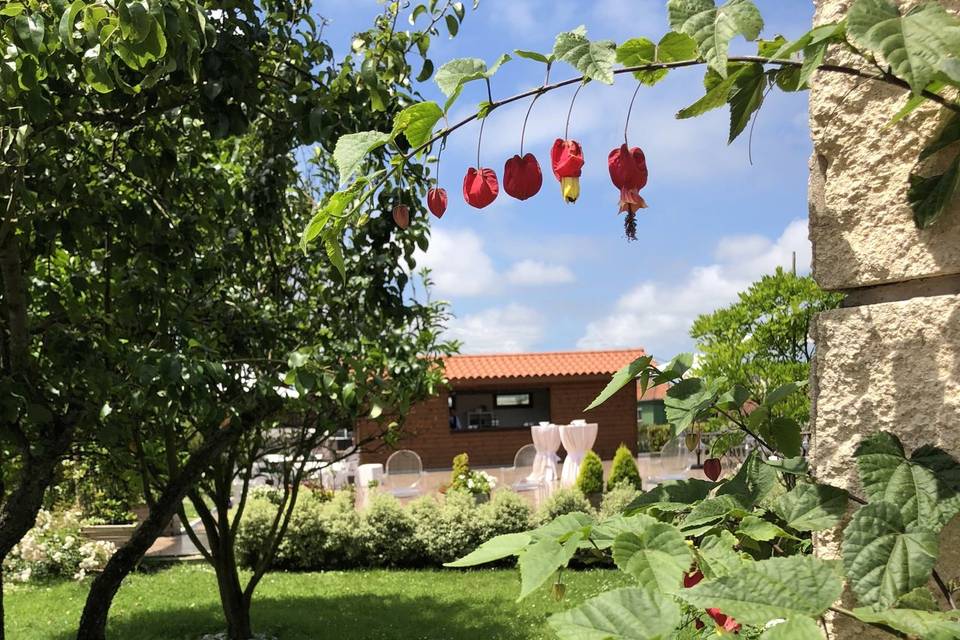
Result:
93,622
1,599
236,606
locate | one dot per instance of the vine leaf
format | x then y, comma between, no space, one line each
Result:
883,558
785,587
416,122
620,379
453,75
811,507
673,47
713,27
800,628
593,59
534,55
497,548
657,556
718,92
930,195
353,147
913,44
747,97
539,561
911,622
621,614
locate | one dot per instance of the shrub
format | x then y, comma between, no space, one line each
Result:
55,548
652,437
450,529
563,501
590,478
390,529
506,512
617,498
624,469
460,472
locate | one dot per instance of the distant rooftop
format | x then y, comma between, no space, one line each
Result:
534,365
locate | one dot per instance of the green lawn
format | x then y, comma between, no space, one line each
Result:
181,603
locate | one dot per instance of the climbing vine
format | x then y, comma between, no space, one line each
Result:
917,50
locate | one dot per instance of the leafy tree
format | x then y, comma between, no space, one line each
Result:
624,469
762,341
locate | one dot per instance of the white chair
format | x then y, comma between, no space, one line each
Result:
403,472
522,470
675,461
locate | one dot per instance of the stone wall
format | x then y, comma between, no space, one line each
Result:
890,359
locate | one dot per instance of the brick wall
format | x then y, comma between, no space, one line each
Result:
428,431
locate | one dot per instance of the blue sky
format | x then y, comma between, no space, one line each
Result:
542,275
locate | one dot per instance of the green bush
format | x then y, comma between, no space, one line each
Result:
506,512
449,529
563,501
590,478
652,437
624,469
460,471
391,533
617,498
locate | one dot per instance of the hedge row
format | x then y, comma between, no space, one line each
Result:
329,533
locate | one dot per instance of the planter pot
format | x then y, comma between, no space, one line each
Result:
595,500
118,534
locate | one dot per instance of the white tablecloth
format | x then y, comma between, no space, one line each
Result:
577,439
546,438
367,473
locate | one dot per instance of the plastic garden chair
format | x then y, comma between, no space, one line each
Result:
402,474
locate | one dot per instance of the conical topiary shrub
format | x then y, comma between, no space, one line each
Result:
624,469
590,478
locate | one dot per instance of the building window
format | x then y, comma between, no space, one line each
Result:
514,400
472,410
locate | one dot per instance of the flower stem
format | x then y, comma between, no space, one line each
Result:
479,139
629,111
523,130
566,129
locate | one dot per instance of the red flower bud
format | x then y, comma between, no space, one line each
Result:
401,215
711,468
480,188
566,159
628,171
437,201
521,177
691,579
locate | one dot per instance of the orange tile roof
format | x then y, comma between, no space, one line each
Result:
533,365
658,392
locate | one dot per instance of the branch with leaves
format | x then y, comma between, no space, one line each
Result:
917,50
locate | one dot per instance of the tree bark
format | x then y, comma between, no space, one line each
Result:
236,606
93,621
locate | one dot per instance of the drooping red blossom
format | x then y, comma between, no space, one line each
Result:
437,201
521,177
724,622
401,215
711,468
691,579
566,159
480,187
628,171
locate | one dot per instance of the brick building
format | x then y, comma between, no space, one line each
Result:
493,399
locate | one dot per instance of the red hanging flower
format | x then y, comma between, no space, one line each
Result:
480,188
437,201
401,215
724,622
566,158
712,468
691,579
628,171
521,177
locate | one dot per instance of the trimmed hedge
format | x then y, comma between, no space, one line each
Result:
624,469
332,534
590,478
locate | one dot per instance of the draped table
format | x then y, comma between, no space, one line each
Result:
546,439
577,438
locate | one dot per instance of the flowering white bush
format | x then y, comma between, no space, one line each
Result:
54,547
479,482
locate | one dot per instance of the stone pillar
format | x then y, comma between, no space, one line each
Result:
890,358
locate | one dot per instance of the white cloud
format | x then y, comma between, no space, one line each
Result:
499,329
658,315
531,273
458,262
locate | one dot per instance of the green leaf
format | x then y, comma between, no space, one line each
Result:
30,31
674,491
494,549
760,530
919,598
135,21
783,392
454,74
672,47
657,557
716,555
331,243
416,122
785,433
352,148
752,483
797,466
712,27
928,625
604,533
12,9
453,26
929,196
811,507
533,55
716,96
621,614
542,559
800,628
913,44
95,73
758,592
426,71
708,513
593,59
746,98
883,558
67,21
620,379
